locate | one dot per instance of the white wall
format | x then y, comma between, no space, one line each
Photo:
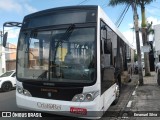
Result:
2,60
157,37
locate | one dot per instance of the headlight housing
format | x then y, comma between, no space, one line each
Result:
22,91
85,97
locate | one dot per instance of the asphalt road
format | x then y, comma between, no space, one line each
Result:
8,103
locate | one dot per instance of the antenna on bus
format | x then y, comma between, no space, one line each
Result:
9,24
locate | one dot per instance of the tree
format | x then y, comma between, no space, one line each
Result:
135,56
142,4
135,16
150,30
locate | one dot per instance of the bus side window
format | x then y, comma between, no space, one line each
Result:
107,71
106,51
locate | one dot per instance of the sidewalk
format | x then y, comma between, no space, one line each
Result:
146,99
150,80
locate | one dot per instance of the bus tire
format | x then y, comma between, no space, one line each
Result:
6,86
158,77
117,92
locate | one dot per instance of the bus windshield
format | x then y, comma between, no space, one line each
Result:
62,55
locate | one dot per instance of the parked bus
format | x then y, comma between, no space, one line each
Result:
70,61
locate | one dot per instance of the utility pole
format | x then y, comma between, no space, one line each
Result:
1,70
135,17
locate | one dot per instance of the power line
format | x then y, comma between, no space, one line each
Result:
82,2
119,13
123,15
120,16
154,7
104,5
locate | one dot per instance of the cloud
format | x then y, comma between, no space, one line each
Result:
13,33
154,20
130,25
153,11
10,5
130,36
20,7
30,9
17,6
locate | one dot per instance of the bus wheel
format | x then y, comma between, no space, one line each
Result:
158,77
117,94
6,86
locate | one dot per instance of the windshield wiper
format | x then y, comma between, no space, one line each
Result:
64,37
68,32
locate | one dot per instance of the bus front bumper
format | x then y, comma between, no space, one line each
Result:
67,108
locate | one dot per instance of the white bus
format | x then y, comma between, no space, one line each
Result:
70,61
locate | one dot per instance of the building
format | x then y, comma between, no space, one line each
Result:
157,42
10,56
7,58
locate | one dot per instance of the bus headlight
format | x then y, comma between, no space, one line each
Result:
22,91
26,93
89,96
81,97
85,97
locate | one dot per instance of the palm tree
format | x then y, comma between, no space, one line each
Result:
150,30
142,4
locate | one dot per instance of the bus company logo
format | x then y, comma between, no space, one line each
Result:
49,90
48,106
49,94
50,84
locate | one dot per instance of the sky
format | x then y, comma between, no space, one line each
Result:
15,10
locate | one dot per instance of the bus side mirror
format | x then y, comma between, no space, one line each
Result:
5,39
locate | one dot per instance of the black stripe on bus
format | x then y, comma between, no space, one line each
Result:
55,93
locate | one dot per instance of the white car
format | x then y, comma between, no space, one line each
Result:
8,80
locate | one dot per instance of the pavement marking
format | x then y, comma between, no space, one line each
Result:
129,103
134,92
136,86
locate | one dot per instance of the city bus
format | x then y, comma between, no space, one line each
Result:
70,61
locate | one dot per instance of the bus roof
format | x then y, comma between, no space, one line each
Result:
95,7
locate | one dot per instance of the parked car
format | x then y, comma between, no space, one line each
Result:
8,80
136,67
